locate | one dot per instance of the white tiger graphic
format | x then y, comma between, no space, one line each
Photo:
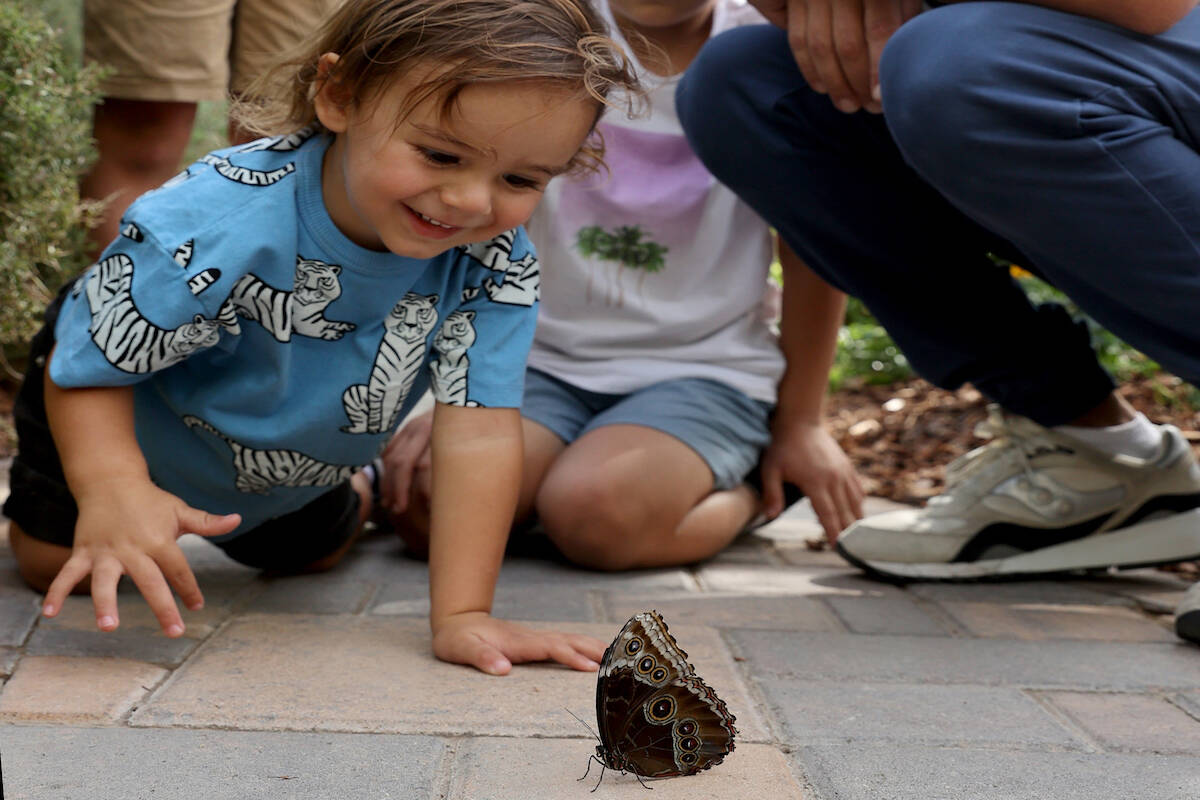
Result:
374,406
284,143
245,175
522,283
299,311
494,254
129,341
183,253
449,370
258,471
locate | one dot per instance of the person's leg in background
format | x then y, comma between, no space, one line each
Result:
160,60
842,195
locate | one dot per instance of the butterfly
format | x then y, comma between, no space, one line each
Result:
657,718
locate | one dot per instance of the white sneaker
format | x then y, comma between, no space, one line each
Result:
1187,616
1033,501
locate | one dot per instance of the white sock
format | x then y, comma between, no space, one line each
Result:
1139,437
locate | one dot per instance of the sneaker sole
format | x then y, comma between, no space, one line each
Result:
1147,544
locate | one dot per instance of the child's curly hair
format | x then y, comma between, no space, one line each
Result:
559,42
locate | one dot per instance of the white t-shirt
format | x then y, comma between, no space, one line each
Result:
654,270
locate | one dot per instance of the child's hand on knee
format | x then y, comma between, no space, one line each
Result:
493,645
129,526
806,455
406,464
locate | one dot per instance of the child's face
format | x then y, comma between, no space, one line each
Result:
430,184
650,14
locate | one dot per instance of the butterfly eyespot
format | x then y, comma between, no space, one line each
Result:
633,647
689,743
658,675
646,664
662,709
686,728
688,758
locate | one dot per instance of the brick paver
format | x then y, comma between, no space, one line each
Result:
324,686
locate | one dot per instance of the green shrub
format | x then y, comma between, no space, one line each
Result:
46,99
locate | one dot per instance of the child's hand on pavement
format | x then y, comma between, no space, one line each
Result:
493,645
129,526
805,454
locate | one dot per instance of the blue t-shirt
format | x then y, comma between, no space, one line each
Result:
271,356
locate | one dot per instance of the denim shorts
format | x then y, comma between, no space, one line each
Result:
41,504
726,427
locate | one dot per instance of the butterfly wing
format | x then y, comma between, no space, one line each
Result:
657,718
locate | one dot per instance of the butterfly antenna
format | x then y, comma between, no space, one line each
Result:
595,735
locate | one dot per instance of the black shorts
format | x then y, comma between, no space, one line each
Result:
41,504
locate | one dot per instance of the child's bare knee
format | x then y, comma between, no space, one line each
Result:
38,562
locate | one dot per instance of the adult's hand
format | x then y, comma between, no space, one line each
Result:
838,43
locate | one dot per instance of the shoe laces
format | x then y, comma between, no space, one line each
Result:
1008,444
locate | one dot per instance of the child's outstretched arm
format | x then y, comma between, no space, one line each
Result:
801,450
126,525
477,461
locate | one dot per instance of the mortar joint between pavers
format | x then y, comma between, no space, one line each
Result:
939,615
1176,699
1063,718
740,669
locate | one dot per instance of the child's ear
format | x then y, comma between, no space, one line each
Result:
330,101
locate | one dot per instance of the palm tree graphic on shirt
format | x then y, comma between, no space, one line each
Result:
629,248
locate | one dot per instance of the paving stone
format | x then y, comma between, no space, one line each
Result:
800,555
875,772
1065,592
330,592
928,659
749,548
8,659
1041,621
791,529
817,712
1131,722
1189,702
1153,590
20,606
893,615
377,674
519,572
73,631
750,579
546,604
76,690
60,763
723,610
524,582
549,769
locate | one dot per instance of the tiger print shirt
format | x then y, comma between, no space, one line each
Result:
271,356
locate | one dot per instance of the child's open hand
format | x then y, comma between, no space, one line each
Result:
494,645
128,526
805,454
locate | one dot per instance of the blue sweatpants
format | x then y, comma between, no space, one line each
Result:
1065,144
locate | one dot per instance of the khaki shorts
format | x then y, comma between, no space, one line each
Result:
192,50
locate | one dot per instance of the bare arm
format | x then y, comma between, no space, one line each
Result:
838,43
477,458
126,524
801,450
